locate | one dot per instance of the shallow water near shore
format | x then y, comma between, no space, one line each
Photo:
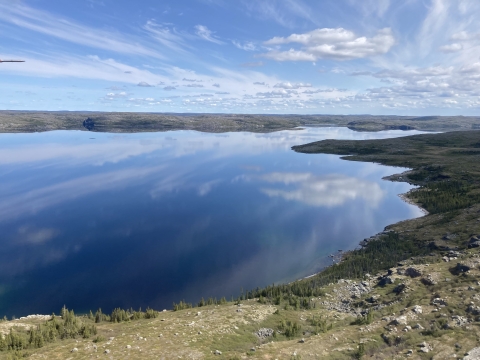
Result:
134,220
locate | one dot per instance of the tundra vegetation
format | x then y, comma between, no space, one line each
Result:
28,121
408,292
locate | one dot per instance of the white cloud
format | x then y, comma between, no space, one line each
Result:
288,85
166,36
204,33
455,47
43,22
315,37
247,46
335,44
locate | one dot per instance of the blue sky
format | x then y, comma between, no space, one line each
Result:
408,57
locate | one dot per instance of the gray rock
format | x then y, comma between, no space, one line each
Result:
302,341
428,280
74,350
473,354
128,346
417,309
473,309
217,352
474,244
263,333
418,327
107,351
449,236
401,320
439,301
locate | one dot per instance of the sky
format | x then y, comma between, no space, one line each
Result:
399,57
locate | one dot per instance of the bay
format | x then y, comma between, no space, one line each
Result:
108,220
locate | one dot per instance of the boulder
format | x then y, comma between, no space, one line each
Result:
440,302
417,309
401,320
385,280
474,244
399,288
460,269
412,272
473,309
428,280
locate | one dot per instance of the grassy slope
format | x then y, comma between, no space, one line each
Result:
447,166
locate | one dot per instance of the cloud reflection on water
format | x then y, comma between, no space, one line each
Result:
330,190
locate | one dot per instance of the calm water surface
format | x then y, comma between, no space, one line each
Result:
105,220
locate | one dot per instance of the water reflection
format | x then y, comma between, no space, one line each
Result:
331,190
146,219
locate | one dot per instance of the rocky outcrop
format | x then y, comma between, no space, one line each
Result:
264,333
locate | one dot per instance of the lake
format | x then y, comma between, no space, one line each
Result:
134,220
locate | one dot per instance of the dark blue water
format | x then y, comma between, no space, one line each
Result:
127,220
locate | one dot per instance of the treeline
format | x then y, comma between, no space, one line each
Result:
121,315
68,326
445,196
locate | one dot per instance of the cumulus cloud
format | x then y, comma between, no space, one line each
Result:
144,84
169,88
326,191
259,83
206,34
120,95
216,85
194,85
335,44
